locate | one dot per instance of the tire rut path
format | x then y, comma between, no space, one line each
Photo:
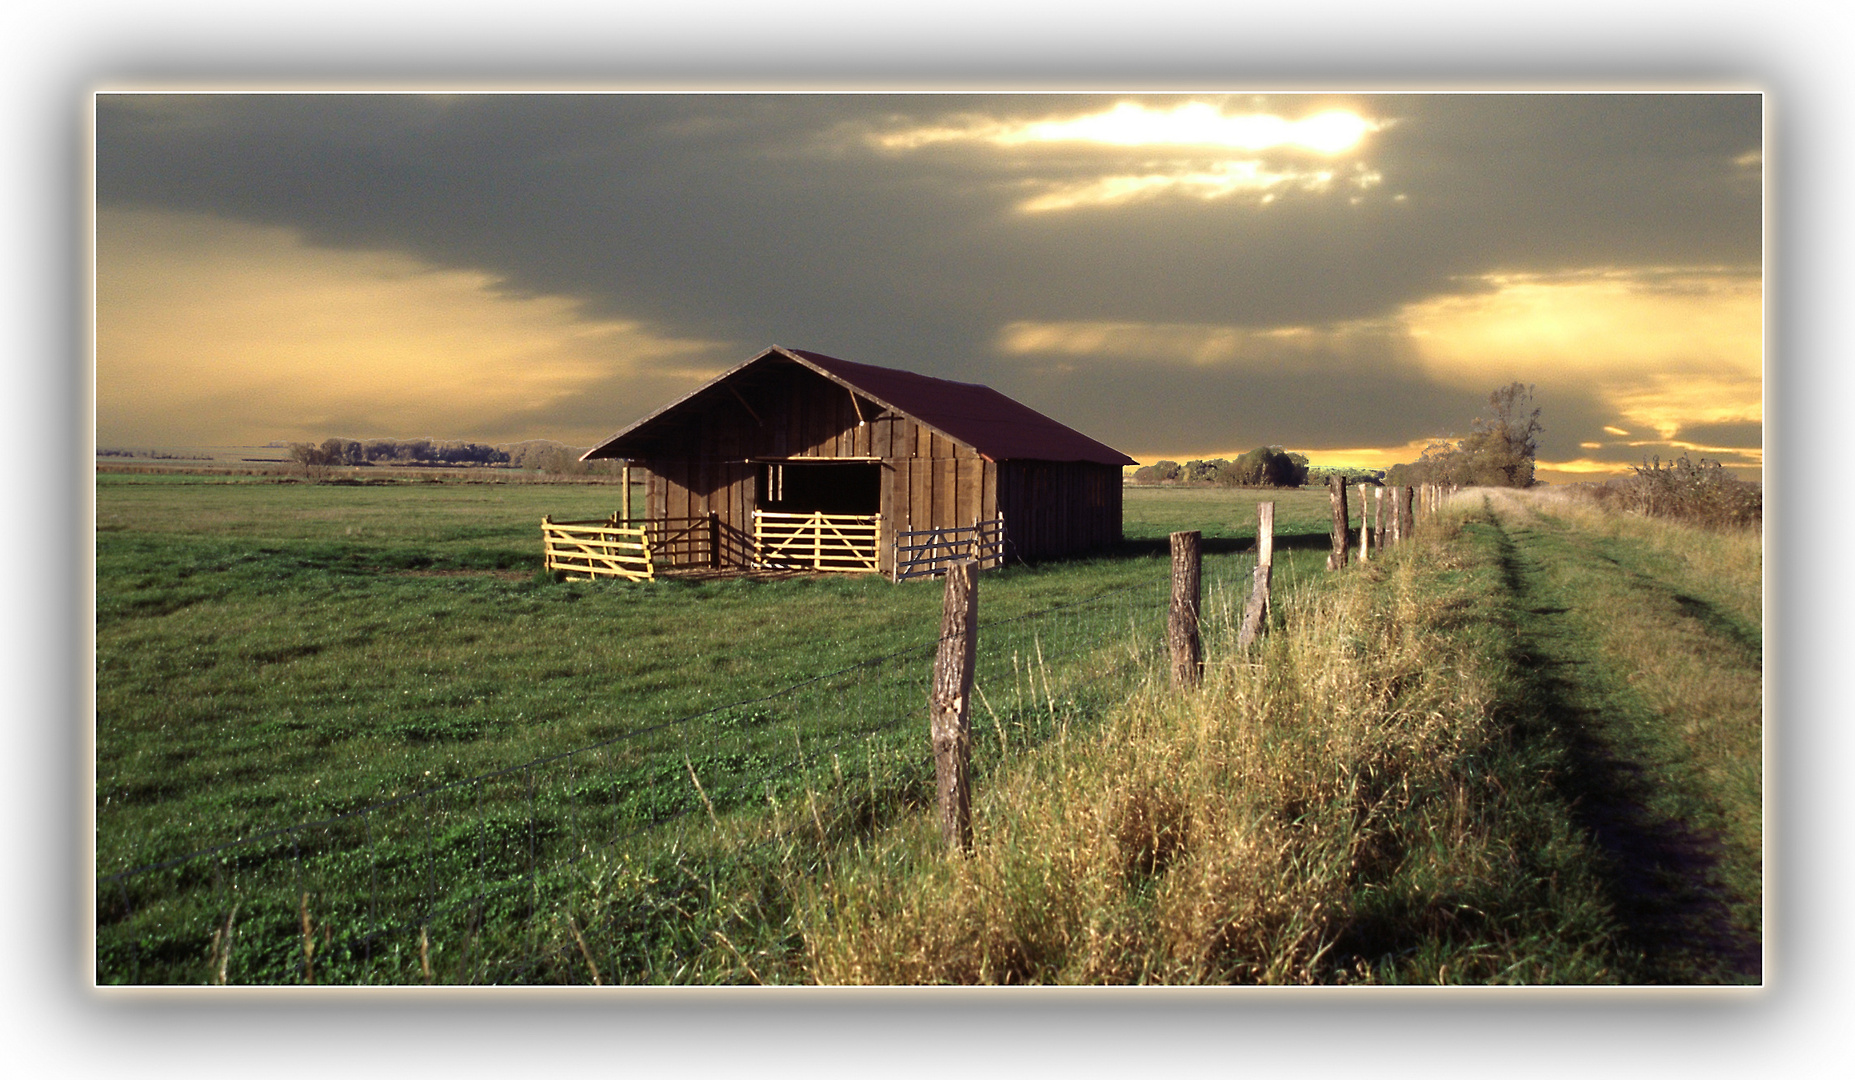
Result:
1675,915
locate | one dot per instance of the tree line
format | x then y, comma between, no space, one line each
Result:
534,455
1265,466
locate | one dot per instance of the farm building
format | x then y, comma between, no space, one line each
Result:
799,459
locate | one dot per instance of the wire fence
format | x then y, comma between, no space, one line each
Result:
595,864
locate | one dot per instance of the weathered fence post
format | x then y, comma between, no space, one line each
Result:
1365,525
949,707
1182,619
1378,516
1403,511
1265,533
1256,609
1336,494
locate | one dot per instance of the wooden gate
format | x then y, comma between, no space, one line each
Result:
840,542
598,548
929,552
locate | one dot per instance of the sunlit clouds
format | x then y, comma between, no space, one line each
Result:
214,332
1251,178
1195,124
1190,149
1197,344
1666,350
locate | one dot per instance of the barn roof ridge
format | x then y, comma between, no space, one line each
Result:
993,424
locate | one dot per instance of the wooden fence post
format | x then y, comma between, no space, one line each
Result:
1378,516
949,707
1182,619
1336,494
1403,510
1365,525
1265,533
1256,609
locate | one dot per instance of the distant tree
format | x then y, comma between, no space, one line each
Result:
314,459
1499,451
1161,471
1266,466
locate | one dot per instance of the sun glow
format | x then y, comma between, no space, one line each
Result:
1198,124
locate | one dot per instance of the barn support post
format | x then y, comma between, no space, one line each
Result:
624,498
1182,618
1336,495
949,704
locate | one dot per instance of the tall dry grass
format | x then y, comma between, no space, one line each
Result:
1223,836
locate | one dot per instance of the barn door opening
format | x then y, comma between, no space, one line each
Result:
835,487
818,515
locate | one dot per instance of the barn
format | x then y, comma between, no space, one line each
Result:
799,459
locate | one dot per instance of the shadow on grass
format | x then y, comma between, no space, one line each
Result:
1663,874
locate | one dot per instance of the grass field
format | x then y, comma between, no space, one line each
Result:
1523,749
276,653
1488,758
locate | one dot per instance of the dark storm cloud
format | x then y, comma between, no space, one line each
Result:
1742,436
760,219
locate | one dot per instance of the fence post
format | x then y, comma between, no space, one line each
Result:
1365,525
1256,609
949,708
1265,533
1336,495
1182,619
1405,521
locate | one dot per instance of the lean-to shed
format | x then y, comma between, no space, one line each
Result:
870,454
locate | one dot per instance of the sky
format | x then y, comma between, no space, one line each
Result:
1178,275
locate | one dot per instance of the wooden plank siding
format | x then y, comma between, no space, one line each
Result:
706,457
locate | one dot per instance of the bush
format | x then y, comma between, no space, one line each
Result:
1698,493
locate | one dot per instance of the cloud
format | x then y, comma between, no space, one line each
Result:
211,331
1168,302
1192,124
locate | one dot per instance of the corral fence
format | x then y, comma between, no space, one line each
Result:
930,552
632,549
579,866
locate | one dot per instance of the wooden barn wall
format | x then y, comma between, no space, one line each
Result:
706,464
1058,508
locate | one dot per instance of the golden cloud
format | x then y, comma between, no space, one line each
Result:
1206,153
214,331
1199,124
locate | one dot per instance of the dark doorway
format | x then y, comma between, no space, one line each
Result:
835,487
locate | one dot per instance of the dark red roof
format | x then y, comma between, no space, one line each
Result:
991,423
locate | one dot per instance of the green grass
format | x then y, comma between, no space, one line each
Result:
270,654
456,769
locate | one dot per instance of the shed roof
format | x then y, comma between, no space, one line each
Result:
991,423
